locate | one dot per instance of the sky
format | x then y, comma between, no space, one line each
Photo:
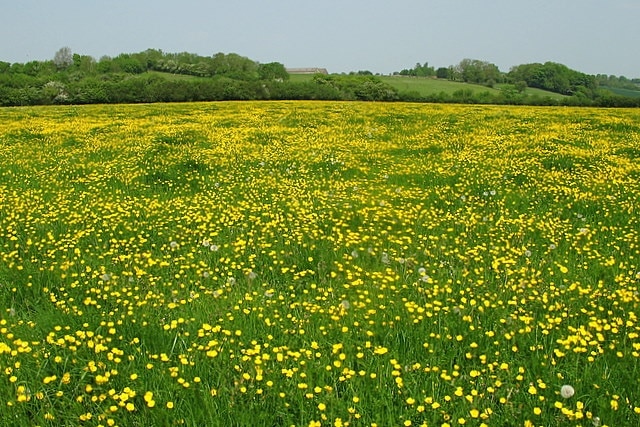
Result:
592,36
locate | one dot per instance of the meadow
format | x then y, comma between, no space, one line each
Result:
319,264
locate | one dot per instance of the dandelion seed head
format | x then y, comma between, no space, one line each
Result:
567,391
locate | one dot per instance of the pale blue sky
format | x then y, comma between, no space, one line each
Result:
593,36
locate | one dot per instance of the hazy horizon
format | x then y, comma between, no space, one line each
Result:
592,36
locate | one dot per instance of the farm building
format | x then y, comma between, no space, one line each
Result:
307,71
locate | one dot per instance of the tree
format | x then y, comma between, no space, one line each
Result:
442,73
480,72
273,71
63,58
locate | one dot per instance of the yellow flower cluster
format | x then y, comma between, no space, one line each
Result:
319,263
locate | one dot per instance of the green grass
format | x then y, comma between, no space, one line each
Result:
428,86
624,92
319,263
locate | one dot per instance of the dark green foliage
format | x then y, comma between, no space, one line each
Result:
555,78
156,76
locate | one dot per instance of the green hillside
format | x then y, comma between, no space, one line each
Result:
624,92
425,86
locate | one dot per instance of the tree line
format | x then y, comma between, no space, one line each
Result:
156,76
584,89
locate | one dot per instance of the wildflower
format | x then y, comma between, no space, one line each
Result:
567,391
173,244
214,248
105,277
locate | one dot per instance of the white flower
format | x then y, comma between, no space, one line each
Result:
385,258
252,275
205,243
492,192
173,244
214,248
567,391
552,246
231,281
527,253
354,254
422,271
105,277
596,421
345,304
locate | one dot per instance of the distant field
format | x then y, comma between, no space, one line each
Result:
624,92
428,86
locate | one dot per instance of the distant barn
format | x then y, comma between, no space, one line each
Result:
307,71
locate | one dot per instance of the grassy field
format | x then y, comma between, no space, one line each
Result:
624,92
430,86
319,264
